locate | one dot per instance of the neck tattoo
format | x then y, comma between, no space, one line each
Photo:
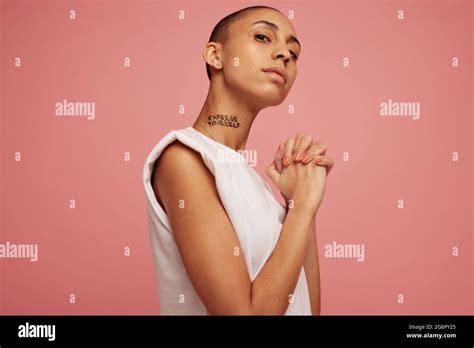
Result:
223,120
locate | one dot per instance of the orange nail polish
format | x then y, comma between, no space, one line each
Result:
305,158
298,157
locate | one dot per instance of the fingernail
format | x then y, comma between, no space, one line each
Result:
286,161
297,157
305,158
319,160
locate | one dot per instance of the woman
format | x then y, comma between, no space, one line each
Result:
221,242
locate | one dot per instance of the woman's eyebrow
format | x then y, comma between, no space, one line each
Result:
275,27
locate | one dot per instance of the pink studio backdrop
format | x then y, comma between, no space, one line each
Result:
47,57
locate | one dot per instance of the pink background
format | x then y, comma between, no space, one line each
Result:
81,251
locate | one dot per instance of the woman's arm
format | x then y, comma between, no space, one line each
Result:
209,246
311,268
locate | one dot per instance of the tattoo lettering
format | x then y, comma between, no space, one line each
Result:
223,120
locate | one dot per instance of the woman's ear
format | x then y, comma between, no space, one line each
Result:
211,54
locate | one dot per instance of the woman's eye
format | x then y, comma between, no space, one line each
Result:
261,35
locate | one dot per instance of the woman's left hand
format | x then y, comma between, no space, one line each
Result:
302,149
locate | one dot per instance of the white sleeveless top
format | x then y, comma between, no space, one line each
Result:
255,214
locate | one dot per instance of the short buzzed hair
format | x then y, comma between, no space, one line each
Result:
220,33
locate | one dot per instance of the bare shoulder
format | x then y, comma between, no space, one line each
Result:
181,172
178,151
178,161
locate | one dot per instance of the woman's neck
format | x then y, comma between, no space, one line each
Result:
226,118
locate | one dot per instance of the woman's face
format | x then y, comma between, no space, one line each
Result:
253,47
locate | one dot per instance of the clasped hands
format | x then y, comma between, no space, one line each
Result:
301,150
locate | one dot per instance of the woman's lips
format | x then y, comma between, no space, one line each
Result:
275,77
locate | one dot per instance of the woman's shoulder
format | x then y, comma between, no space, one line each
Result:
180,172
176,154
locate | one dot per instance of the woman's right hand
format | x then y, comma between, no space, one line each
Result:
301,183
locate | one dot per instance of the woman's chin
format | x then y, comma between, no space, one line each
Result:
272,98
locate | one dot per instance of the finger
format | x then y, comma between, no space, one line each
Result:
315,150
298,138
302,146
272,172
279,157
325,161
289,145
